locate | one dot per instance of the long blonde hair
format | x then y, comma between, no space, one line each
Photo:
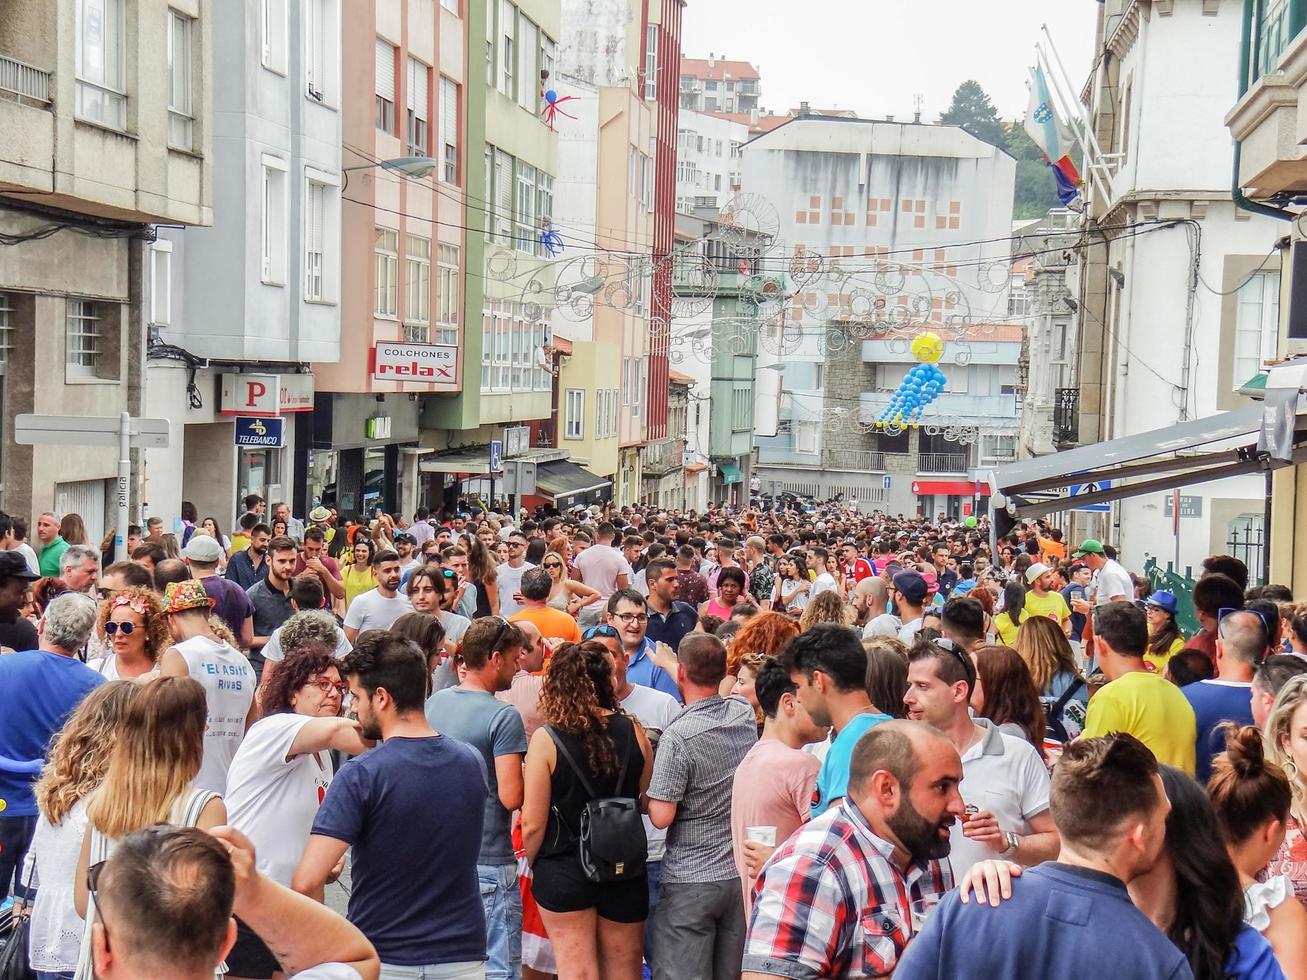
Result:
79,756
1045,649
1291,697
827,607
155,758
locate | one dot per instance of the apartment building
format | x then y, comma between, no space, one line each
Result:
708,153
716,84
878,225
239,309
106,110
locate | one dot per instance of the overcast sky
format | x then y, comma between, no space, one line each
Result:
875,56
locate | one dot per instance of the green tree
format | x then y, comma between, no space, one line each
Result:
1036,190
972,110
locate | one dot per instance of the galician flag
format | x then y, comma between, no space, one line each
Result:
1048,132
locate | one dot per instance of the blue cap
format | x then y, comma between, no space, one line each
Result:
1163,599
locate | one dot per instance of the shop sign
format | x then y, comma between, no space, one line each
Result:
296,393
250,394
256,432
429,363
378,428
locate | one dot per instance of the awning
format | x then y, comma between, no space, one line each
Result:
473,460
568,485
950,488
1179,455
730,473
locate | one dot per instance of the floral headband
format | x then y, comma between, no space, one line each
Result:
133,602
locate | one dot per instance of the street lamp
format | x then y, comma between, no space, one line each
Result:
405,166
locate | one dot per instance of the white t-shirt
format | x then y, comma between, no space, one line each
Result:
509,582
886,624
1112,579
908,631
33,563
825,582
1004,775
455,626
272,801
373,611
228,681
598,567
273,652
655,710
329,971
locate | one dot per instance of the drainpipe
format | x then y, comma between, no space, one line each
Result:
1236,190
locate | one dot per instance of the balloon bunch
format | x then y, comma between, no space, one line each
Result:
920,387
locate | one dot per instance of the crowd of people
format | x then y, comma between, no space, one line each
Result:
768,742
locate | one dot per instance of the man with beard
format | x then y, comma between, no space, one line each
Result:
378,608
829,670
1110,808
413,851
836,899
248,567
1004,784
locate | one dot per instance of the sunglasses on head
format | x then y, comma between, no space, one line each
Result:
603,629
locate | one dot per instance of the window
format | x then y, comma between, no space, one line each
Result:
419,79
180,119
575,405
385,73
539,341
528,54
521,360
626,381
503,199
544,205
385,250
272,267
448,149
489,195
651,61
101,62
161,284
1257,325
417,289
319,203
548,53
447,295
526,206
500,377
273,35
316,60
7,326
508,31
83,338
487,342
601,412
490,43
631,154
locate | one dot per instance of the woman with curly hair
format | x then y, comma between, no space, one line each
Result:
281,773
137,630
826,607
78,761
596,929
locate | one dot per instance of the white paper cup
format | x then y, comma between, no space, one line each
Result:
763,835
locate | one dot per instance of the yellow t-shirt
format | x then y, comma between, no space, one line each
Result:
1051,605
357,580
1150,708
239,542
1160,660
1005,629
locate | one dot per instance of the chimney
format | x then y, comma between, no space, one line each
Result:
889,118
916,117
753,117
804,109
712,60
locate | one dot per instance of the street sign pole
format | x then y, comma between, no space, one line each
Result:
124,486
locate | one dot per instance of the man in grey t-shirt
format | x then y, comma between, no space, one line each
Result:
492,652
699,929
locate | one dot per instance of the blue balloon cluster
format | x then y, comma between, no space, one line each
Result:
921,387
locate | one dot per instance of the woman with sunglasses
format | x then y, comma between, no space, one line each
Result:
1164,637
566,595
136,629
156,755
281,773
78,760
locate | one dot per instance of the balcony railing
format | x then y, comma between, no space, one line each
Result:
25,80
862,460
942,463
1066,416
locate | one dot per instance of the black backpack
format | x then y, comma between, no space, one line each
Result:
611,842
1064,725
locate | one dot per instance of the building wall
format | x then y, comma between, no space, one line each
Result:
592,365
707,176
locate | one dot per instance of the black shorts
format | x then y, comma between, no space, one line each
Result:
559,885
250,956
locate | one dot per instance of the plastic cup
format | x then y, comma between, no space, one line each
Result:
763,835
921,911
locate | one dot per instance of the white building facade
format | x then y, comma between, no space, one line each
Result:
709,149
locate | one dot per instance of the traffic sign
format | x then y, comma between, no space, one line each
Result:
886,481
88,430
496,456
1081,489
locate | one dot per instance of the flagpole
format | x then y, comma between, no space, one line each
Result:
1078,114
1095,162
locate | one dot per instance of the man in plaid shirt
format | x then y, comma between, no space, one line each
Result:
835,900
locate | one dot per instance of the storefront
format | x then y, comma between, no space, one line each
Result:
361,454
955,499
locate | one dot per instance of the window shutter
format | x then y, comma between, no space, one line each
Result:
503,194
417,88
385,70
448,113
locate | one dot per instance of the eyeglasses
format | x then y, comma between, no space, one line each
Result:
601,630
517,544
629,618
111,628
327,686
552,564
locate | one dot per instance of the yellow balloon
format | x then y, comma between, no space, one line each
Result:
927,347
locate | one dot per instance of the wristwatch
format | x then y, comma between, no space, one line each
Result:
1013,842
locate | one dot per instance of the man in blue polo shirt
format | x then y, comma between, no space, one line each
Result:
669,619
628,615
1110,808
1240,642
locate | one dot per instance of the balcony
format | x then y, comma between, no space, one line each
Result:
857,460
1066,416
659,458
25,81
943,463
1269,129
990,411
779,450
